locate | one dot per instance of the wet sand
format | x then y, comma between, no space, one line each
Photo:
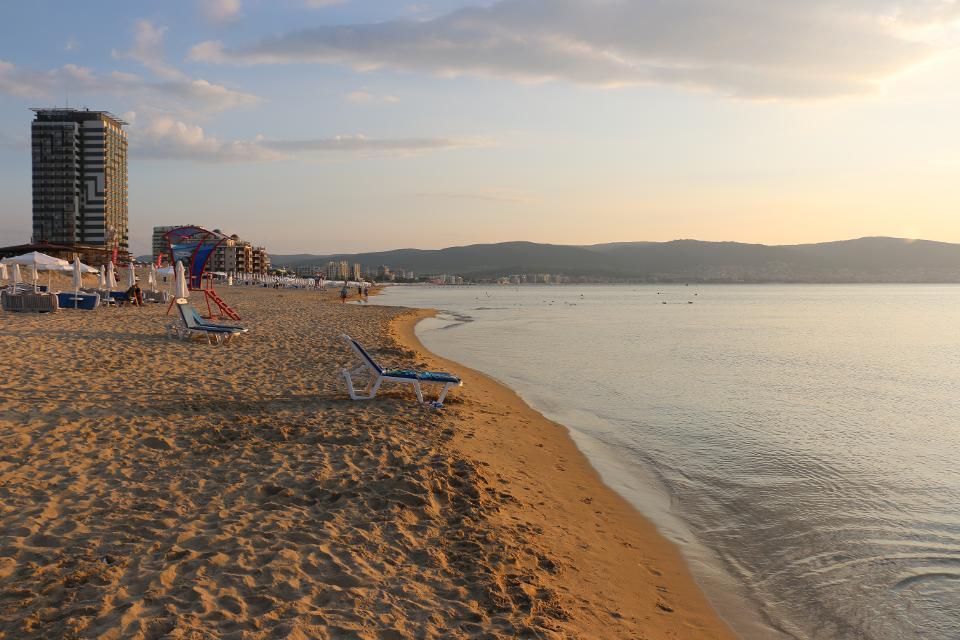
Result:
157,488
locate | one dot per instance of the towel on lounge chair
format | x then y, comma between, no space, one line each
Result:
378,375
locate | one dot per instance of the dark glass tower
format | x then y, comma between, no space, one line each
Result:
80,178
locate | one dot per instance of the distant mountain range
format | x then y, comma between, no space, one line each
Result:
861,260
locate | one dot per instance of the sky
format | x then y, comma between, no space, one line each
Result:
335,126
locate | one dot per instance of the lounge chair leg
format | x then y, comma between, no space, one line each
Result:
443,393
346,376
368,393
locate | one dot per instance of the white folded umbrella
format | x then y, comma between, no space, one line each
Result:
131,276
102,280
15,274
110,279
77,276
3,272
181,291
152,277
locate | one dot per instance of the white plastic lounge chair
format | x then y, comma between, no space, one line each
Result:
191,324
378,375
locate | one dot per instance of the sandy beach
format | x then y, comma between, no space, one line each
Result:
157,488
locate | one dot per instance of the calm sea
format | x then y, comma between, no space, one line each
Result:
800,443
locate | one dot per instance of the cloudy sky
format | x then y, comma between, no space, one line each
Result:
348,125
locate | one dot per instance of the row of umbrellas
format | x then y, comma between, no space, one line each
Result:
10,270
43,262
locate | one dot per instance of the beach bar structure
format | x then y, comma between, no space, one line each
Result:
89,254
193,246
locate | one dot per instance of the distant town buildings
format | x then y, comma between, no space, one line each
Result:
337,270
80,179
233,256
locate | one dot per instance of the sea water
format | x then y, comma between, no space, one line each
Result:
801,443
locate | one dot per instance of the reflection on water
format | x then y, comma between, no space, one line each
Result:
808,436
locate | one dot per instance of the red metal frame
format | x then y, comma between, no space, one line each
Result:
198,271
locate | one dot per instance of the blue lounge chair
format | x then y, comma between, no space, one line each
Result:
84,301
190,325
119,298
203,322
378,375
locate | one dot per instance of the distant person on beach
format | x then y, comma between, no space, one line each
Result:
344,292
366,293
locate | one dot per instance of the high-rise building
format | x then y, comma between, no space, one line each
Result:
160,244
80,178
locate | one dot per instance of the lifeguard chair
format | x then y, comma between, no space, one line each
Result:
193,246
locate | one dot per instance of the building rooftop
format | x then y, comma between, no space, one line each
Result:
81,114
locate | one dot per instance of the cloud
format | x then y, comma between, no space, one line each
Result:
365,97
169,138
148,50
170,90
748,48
15,82
362,144
166,137
221,10
320,4
190,97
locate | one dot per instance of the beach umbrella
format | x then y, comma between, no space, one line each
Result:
3,272
181,290
84,268
131,276
152,277
15,275
77,279
110,280
102,279
36,261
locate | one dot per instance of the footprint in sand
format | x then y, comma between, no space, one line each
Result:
158,443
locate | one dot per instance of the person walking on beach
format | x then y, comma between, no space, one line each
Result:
344,292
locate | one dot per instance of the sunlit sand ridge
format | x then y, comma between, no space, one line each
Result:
152,488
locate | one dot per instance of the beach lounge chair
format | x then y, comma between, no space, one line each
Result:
35,302
378,375
88,302
191,324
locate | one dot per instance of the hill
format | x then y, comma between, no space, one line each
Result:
861,260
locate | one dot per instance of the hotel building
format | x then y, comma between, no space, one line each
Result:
80,179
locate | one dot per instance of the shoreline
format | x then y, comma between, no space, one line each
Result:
627,578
